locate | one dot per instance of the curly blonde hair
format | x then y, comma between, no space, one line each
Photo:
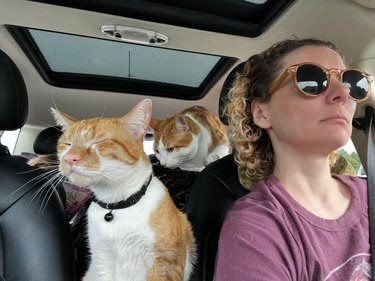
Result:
253,148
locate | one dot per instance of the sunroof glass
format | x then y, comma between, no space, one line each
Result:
67,53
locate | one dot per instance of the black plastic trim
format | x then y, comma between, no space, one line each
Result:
235,17
363,123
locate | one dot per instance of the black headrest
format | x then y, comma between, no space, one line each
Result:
225,90
13,95
46,141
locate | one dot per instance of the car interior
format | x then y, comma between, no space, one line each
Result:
98,59
33,236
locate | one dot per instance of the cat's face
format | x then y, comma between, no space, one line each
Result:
100,151
175,140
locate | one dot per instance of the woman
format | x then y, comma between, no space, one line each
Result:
293,105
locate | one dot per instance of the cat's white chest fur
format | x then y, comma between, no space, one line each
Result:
123,247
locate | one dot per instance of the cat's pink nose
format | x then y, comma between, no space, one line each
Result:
72,159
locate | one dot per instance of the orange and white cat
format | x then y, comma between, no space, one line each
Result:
135,232
190,140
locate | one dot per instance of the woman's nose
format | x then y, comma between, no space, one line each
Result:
337,90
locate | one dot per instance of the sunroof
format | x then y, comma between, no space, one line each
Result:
84,55
68,60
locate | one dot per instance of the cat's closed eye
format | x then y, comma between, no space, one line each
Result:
156,151
99,141
170,149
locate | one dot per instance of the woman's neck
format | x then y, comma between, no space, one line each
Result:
307,178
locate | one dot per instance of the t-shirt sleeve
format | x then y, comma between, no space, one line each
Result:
252,247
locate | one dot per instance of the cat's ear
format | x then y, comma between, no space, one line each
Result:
181,124
154,123
138,118
62,119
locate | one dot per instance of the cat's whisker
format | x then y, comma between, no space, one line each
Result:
37,179
32,170
45,124
62,179
47,174
106,179
48,183
52,183
54,103
104,109
44,204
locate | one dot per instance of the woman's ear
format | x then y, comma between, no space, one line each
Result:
260,114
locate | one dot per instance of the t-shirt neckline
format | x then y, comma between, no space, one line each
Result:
351,216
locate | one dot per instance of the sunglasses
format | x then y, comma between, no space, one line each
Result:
312,80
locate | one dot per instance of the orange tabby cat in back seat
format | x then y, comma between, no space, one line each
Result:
190,140
135,232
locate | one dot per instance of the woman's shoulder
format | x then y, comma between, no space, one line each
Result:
264,191
357,185
263,217
263,202
352,180
269,201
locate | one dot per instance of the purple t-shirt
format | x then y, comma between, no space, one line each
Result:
269,236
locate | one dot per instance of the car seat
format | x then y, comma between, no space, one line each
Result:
35,241
212,195
46,141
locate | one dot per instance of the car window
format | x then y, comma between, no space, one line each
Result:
350,154
9,139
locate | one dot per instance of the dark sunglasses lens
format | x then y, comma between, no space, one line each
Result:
311,79
357,84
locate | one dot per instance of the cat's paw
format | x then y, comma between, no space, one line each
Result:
192,169
211,158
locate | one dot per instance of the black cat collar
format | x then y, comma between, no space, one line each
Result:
132,200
